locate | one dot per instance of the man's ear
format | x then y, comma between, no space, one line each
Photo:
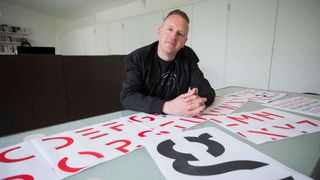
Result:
186,41
159,31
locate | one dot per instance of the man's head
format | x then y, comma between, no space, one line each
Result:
180,13
172,34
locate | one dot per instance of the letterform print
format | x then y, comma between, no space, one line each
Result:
224,106
258,95
163,124
267,125
24,157
74,151
209,153
301,105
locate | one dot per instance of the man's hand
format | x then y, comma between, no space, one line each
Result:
188,104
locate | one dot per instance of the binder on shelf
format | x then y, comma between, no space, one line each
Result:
11,37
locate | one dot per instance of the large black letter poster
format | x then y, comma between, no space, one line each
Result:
209,153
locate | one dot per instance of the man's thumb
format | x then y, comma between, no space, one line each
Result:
194,91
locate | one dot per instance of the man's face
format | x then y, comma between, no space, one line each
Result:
172,36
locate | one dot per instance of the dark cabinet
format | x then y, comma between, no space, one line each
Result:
93,84
42,90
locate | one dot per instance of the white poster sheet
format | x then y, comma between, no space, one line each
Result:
267,125
71,152
223,106
259,96
209,154
164,124
300,104
74,151
23,161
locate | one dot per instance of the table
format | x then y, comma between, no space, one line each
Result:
300,153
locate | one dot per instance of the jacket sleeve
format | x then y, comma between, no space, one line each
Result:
199,81
132,96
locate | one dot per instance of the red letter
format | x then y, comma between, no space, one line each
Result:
7,160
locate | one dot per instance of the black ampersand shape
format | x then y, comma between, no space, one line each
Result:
181,160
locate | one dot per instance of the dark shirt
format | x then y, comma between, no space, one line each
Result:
167,86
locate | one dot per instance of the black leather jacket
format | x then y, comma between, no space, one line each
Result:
143,74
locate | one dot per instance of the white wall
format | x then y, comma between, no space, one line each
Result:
250,40
130,10
296,58
209,39
268,44
129,27
43,29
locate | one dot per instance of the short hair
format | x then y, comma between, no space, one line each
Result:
178,12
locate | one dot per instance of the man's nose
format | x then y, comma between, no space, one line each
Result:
174,36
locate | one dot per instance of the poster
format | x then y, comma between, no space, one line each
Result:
258,95
23,161
302,105
71,152
209,154
267,125
162,123
223,106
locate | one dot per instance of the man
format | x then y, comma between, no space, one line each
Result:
158,76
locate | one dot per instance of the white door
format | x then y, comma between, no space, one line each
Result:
115,38
296,60
132,34
209,39
88,38
150,24
101,39
250,42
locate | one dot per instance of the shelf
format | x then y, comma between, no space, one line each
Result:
13,30
10,38
8,43
2,53
7,50
13,33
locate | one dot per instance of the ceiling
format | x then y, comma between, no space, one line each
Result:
68,9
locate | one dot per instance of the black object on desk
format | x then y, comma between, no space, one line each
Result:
35,50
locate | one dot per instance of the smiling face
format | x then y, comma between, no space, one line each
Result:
172,36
